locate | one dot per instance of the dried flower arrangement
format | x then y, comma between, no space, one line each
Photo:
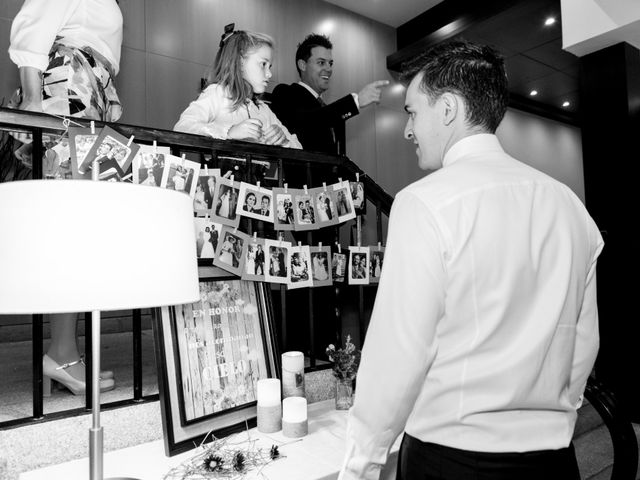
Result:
345,360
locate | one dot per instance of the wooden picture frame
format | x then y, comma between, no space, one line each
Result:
210,355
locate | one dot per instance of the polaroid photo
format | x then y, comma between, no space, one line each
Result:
205,190
114,153
230,253
339,267
255,202
357,195
207,236
321,266
56,162
225,202
325,210
180,174
283,201
375,266
254,262
303,210
277,257
344,202
80,142
300,263
148,164
358,266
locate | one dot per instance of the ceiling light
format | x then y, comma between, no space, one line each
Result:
566,104
533,93
549,21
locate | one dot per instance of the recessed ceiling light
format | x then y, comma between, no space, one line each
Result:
566,104
549,21
533,93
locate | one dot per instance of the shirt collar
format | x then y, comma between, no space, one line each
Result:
473,144
302,84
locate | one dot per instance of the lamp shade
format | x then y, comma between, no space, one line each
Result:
77,245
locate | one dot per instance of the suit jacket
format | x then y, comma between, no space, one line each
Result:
319,128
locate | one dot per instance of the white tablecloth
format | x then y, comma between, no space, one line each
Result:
317,456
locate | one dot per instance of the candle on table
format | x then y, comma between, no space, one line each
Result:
294,417
269,405
293,374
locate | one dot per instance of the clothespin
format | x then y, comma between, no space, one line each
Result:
130,140
206,217
182,159
258,184
232,178
319,244
357,177
339,247
235,229
379,246
299,244
255,236
359,244
206,170
285,187
340,180
155,148
93,127
305,190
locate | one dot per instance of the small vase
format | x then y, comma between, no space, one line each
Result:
344,393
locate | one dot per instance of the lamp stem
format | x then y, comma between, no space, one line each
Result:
95,432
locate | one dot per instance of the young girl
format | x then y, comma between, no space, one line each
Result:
229,107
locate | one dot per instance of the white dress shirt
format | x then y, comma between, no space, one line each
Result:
213,114
484,329
80,23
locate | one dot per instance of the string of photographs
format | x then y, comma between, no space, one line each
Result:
278,261
223,199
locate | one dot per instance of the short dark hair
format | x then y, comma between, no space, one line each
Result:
473,71
311,41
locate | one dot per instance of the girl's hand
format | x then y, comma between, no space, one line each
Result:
274,135
249,129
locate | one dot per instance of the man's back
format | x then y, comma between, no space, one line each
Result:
514,251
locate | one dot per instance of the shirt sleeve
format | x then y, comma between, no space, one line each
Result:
587,334
401,339
200,116
34,29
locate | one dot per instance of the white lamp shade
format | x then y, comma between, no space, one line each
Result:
78,245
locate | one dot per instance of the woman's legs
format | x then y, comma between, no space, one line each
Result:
64,347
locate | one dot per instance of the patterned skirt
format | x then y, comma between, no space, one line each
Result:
79,83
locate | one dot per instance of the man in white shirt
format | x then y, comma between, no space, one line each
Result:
485,325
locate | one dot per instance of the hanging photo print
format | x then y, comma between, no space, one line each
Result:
277,261
80,142
207,236
320,266
205,189
358,265
357,195
148,164
283,201
225,201
254,262
114,154
304,213
375,268
230,253
300,267
339,267
255,202
344,202
180,174
326,213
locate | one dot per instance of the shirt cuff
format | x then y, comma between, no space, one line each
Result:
23,58
355,99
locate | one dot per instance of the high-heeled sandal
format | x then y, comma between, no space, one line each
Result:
51,370
104,374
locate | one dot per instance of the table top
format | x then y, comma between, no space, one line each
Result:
317,456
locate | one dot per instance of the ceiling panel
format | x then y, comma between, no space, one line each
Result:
552,54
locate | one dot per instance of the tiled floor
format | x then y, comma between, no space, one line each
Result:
117,355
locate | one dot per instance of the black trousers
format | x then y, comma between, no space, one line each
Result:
429,461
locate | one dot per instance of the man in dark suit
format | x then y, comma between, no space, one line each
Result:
319,127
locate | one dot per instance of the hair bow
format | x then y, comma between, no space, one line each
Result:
228,31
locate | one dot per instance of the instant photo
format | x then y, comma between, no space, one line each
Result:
358,266
148,165
284,216
277,261
321,266
114,153
225,202
230,253
180,174
205,190
255,202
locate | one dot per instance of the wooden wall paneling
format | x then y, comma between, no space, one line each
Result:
171,85
133,13
131,83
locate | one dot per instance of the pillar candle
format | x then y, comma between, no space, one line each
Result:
294,417
269,408
293,374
